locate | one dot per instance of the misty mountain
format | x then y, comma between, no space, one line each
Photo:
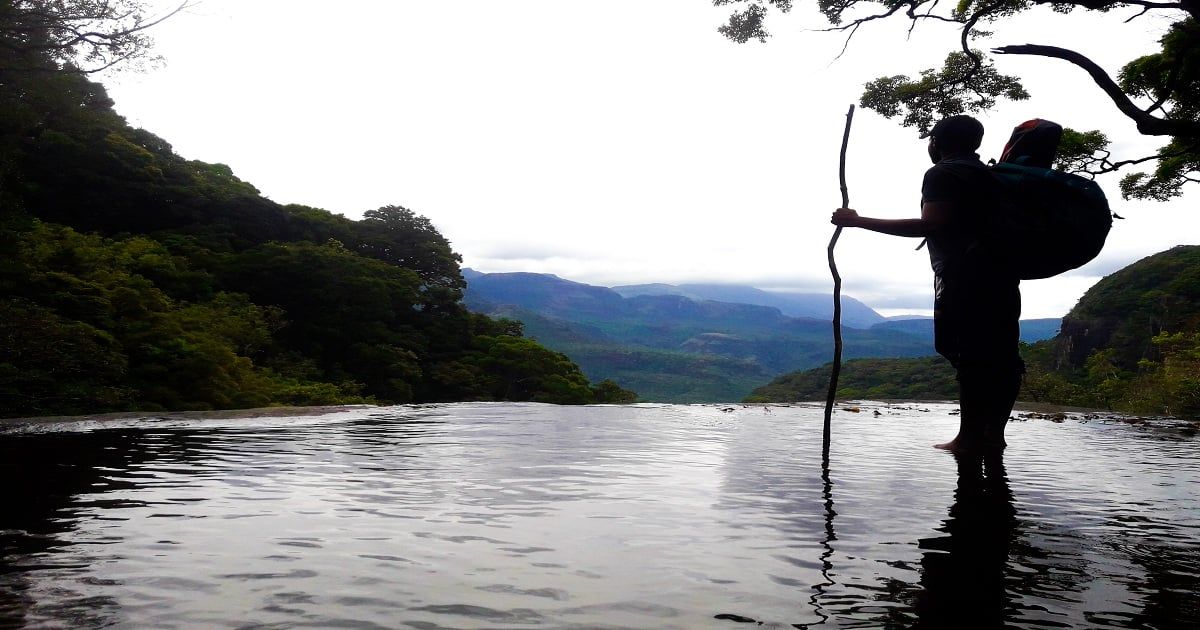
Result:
545,294
667,346
1032,330
814,305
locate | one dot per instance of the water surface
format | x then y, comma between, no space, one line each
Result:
647,516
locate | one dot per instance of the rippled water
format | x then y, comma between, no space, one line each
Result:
500,515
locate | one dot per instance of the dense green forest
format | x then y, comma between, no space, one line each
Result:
921,378
132,278
1131,344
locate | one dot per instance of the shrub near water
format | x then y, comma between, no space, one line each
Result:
1168,384
925,378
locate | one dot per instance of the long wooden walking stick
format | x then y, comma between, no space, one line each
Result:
837,292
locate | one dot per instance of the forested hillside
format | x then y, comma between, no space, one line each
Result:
921,378
133,278
1132,343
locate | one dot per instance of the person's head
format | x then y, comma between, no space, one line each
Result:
953,135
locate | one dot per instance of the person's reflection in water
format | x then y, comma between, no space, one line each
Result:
963,573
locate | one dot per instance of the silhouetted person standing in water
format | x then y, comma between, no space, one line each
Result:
977,306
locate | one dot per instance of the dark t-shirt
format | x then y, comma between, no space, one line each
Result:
964,183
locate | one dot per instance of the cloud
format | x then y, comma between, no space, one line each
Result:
522,251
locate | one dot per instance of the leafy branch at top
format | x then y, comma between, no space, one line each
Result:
1158,92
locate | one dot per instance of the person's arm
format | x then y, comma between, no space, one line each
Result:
934,216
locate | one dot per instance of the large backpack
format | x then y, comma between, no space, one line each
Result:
1044,222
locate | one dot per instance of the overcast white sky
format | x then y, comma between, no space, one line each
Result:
613,142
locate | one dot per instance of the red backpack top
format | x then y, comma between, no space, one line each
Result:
1033,143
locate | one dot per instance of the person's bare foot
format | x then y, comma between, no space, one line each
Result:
959,446
954,446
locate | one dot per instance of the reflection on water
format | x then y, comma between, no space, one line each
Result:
963,571
491,515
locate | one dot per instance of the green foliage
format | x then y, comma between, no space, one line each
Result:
1176,379
1171,76
666,375
398,236
749,23
1168,384
927,378
608,392
1047,382
746,24
515,368
1178,162
52,364
1077,149
958,87
1125,310
86,328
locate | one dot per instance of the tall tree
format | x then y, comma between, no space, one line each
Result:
399,236
1159,92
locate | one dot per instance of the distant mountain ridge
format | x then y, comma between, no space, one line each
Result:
672,347
662,321
815,305
669,343
1032,330
543,293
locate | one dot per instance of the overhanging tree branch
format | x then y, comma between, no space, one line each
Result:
910,10
1167,90
1146,123
1148,5
1102,164
968,26
83,35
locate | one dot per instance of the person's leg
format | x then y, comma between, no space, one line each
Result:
1002,398
948,329
987,391
1005,383
973,407
985,334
